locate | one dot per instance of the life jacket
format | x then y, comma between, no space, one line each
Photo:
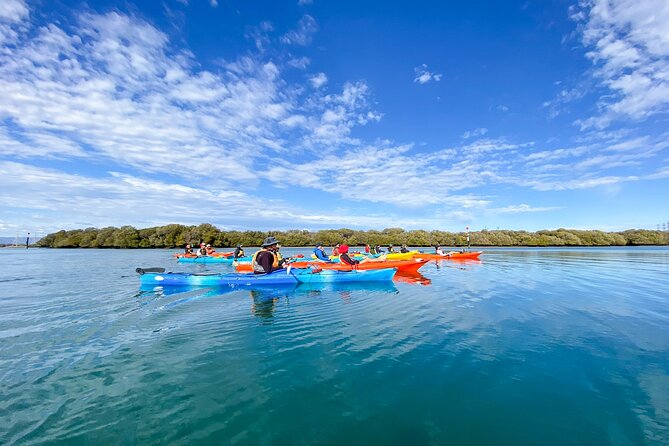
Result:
277,259
345,262
257,267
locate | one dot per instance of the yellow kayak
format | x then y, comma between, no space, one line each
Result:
402,255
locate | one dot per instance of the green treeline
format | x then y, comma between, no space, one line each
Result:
176,236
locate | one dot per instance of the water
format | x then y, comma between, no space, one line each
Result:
529,346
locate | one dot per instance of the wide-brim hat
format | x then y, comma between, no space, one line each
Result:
269,241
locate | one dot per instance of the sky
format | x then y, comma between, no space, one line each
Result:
307,114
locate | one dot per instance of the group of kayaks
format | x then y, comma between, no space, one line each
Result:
299,271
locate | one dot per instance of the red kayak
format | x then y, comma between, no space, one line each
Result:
401,265
452,255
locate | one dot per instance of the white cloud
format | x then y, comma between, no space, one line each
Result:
521,208
302,35
474,133
424,76
318,80
502,108
304,2
13,10
629,45
299,62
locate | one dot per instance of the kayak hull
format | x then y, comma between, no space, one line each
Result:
335,276
231,279
454,256
401,265
276,278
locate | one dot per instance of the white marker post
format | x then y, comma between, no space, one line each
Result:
468,248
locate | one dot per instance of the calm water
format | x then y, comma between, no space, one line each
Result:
525,347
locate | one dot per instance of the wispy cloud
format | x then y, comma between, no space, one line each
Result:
303,34
304,2
520,208
318,80
424,76
629,45
474,133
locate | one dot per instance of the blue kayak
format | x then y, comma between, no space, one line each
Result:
212,259
158,277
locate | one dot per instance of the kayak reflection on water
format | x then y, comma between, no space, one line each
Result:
264,299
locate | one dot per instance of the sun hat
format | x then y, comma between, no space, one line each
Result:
269,241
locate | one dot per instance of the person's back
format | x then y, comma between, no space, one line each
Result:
263,261
239,252
404,249
320,254
344,257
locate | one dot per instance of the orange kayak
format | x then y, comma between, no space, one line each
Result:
401,265
452,256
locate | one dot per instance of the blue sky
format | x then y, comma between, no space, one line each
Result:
313,114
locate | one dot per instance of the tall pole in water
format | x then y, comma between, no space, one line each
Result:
27,240
468,238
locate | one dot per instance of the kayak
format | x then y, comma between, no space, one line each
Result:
194,256
452,256
212,259
158,276
401,265
335,276
400,255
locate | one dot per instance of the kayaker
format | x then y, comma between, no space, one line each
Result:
279,260
239,252
366,249
378,249
209,250
438,250
404,249
390,249
335,250
189,249
263,260
202,252
319,252
345,258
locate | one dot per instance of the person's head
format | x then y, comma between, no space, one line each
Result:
240,246
202,245
270,243
208,245
343,249
187,245
319,245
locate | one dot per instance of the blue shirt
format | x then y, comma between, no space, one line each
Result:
320,255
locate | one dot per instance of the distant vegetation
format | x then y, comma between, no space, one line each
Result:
173,236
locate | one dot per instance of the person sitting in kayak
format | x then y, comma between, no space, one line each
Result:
202,252
188,250
319,252
390,249
367,249
378,249
209,250
438,250
263,260
346,259
404,249
239,252
279,260
335,250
